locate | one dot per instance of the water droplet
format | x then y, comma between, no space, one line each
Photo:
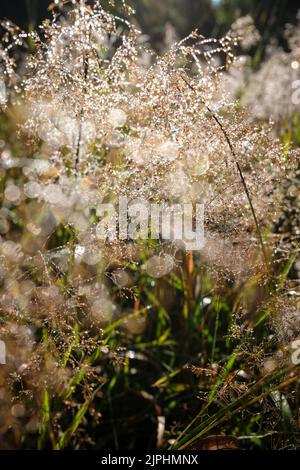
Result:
11,249
18,411
12,193
117,118
53,194
102,310
136,325
159,266
92,257
168,150
120,278
32,189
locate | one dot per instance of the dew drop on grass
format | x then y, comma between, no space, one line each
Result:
168,150
12,193
269,365
53,194
120,278
18,410
92,257
102,310
136,325
117,118
8,248
159,266
32,190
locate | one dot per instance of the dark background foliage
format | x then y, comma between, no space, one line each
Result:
211,17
